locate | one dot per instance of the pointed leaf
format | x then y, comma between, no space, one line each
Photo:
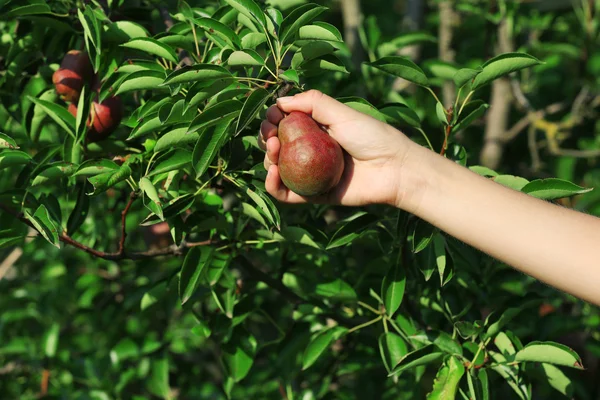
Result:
551,353
142,80
392,286
422,356
502,65
207,148
195,263
392,348
553,189
401,67
446,382
152,46
319,344
249,9
297,18
252,106
197,72
216,114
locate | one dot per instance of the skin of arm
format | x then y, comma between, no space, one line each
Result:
558,246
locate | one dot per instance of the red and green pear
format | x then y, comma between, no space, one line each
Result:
311,162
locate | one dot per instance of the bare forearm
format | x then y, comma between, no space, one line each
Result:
558,246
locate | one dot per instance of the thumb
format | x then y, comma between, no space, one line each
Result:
323,109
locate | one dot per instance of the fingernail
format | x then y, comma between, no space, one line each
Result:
285,99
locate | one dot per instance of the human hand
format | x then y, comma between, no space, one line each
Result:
375,152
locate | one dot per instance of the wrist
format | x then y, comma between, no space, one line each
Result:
415,177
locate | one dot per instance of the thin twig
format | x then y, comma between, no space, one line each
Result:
171,250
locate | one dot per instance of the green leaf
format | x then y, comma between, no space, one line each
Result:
6,142
297,18
217,29
158,382
51,340
310,51
249,9
464,75
402,67
503,65
408,39
265,205
440,112
203,90
95,167
197,72
216,114
141,80
422,235
363,106
325,63
9,158
511,181
468,329
291,75
152,46
440,339
253,39
393,285
558,380
208,146
335,290
238,354
53,171
106,180
319,344
171,161
447,380
196,260
392,348
416,358
551,353
125,349
176,137
473,111
176,113
151,200
496,323
252,106
483,171
320,31
553,189
29,9
400,114
245,58
132,66
351,229
149,124
439,248
44,224
80,212
175,207
123,31
153,295
59,114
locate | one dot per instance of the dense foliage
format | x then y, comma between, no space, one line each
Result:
142,257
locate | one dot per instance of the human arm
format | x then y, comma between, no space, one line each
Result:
558,246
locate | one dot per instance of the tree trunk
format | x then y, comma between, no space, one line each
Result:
500,104
446,53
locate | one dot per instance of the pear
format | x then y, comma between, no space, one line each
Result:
104,118
311,162
75,70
